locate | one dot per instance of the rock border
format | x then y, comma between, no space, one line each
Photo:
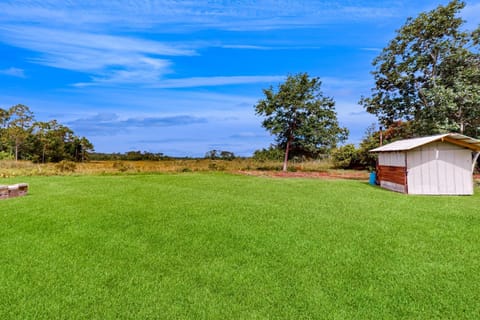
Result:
14,190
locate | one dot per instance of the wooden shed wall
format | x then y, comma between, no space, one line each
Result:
392,178
391,171
440,168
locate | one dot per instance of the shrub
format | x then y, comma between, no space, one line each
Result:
6,155
272,153
345,157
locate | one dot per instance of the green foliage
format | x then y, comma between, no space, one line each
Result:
345,157
303,120
273,153
38,141
17,122
128,156
220,155
6,156
349,157
214,246
371,140
429,75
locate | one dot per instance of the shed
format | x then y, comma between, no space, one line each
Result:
435,165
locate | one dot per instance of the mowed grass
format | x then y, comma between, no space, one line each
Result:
221,246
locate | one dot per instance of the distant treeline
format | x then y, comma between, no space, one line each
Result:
24,138
149,156
128,156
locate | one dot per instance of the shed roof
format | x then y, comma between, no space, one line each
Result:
409,144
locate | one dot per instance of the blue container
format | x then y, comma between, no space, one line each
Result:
373,178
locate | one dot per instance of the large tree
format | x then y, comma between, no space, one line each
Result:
18,128
300,116
429,75
39,141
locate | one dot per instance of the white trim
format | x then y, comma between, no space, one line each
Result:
475,158
409,144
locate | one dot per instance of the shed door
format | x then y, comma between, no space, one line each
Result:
440,168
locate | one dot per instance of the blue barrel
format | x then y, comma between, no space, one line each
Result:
373,178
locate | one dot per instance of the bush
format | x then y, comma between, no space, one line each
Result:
345,157
271,154
6,155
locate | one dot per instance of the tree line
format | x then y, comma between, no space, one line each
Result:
24,138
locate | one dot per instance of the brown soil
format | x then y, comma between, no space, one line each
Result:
360,175
351,175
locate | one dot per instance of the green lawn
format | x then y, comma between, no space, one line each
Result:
219,246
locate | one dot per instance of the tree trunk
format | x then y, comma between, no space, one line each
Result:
287,149
16,150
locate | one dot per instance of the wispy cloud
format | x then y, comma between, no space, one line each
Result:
94,37
201,14
372,49
14,72
216,81
111,123
248,135
246,47
108,58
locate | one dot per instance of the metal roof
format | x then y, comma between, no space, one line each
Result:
409,144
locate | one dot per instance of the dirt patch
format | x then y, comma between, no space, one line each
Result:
352,175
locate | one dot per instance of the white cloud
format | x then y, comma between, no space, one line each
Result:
372,49
200,14
52,41
108,58
245,46
216,81
14,72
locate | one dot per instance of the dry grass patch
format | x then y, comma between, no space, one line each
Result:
27,168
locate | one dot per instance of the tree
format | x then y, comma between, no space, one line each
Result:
23,138
4,118
19,125
219,154
85,147
429,75
41,131
301,117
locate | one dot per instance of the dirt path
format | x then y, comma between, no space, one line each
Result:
353,175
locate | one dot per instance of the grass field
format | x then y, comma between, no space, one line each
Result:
222,246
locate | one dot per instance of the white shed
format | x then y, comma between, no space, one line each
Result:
435,165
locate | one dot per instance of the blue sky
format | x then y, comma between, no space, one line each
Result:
182,77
